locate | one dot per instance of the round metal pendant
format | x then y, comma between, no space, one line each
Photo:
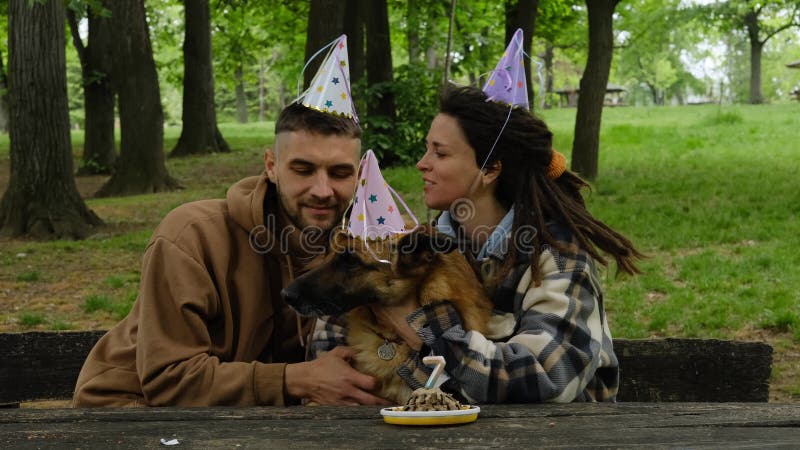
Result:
386,351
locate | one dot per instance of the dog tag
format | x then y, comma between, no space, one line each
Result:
386,351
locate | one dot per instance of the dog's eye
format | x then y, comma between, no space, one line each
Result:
348,257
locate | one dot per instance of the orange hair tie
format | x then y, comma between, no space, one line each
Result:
557,166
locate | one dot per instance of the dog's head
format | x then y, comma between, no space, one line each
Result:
355,272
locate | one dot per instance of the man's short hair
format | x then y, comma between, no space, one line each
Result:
297,117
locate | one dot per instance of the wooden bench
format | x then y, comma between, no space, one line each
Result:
45,365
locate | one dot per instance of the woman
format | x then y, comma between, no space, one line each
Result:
519,215
538,263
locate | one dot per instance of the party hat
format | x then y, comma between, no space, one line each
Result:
329,91
507,82
374,214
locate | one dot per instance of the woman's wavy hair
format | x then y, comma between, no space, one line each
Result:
524,150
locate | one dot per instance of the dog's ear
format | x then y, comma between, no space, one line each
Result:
418,249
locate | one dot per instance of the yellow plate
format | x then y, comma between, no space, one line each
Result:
397,416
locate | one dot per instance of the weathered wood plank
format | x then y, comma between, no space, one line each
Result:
698,425
45,365
42,365
694,370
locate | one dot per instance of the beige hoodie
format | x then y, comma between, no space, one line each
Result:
209,326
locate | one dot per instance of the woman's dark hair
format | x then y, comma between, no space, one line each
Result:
524,150
297,117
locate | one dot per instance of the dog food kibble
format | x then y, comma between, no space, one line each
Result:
424,399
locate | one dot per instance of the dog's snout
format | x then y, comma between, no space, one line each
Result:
289,295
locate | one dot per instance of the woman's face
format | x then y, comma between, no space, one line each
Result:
448,166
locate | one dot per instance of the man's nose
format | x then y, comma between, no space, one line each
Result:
321,188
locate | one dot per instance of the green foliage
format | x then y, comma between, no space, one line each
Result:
725,118
415,91
61,325
94,303
29,277
691,192
31,319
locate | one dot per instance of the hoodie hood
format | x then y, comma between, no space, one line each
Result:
246,201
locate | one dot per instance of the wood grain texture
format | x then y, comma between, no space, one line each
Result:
45,365
695,425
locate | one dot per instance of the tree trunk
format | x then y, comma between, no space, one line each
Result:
756,47
594,81
522,14
41,200
3,97
653,92
140,168
412,30
325,23
199,134
431,58
354,29
379,69
241,99
262,68
548,73
99,154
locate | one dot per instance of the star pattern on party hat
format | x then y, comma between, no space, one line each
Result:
375,214
507,83
329,91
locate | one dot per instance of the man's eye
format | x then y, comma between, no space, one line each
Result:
341,174
302,171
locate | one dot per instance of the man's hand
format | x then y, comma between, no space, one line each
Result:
330,380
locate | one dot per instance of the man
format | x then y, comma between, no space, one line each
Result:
209,326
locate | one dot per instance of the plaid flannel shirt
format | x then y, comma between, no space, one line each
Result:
547,343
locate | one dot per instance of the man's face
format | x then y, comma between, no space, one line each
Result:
315,175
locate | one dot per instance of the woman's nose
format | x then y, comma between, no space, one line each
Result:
422,164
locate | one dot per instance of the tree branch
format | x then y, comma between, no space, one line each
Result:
779,29
76,36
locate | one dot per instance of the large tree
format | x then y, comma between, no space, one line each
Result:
760,20
654,39
3,97
522,14
3,78
585,147
199,133
557,26
325,23
42,200
381,107
99,154
140,167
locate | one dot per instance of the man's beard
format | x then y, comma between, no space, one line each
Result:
298,222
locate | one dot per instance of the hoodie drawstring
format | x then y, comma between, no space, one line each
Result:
296,314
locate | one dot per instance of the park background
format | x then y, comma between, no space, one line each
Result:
696,159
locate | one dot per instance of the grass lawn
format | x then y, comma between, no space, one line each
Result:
710,195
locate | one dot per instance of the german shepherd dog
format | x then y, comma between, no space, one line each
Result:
422,264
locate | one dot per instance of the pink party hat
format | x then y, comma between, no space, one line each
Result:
329,91
507,83
374,214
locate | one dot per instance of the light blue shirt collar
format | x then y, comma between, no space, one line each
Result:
497,243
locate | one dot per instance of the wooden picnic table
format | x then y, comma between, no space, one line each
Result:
660,425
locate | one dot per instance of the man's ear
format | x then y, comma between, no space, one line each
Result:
269,165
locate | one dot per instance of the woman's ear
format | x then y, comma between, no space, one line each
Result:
490,173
